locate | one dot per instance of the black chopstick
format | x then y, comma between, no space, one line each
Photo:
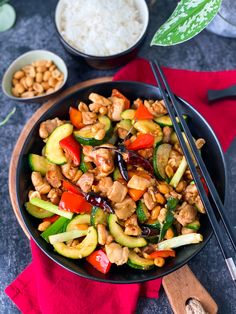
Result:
172,107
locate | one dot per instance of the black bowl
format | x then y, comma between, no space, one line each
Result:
105,62
211,153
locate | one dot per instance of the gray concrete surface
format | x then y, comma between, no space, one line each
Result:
34,29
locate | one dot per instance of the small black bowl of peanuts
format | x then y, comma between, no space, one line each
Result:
35,76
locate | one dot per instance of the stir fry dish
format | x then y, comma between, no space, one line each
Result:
112,184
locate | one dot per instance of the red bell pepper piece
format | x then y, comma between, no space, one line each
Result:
99,260
51,219
136,194
76,118
70,187
74,203
162,253
72,148
142,113
118,94
141,142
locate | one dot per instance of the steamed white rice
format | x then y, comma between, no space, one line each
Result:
100,27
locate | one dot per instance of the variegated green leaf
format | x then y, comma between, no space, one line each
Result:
188,19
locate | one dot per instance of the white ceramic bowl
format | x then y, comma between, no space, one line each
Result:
111,61
28,58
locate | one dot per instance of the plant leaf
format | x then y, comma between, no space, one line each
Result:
188,19
8,117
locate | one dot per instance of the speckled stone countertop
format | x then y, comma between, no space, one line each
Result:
34,29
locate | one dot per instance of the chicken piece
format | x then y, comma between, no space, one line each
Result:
85,182
148,201
103,186
174,159
48,126
132,227
117,192
166,134
89,117
40,183
156,108
190,194
146,153
186,214
98,99
115,110
138,183
54,176
55,195
102,158
125,209
70,172
116,253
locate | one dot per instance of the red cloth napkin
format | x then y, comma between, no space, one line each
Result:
45,287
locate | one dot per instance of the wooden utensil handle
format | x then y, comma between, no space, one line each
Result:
182,285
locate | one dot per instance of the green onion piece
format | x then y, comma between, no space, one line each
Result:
66,236
179,173
180,241
50,207
55,228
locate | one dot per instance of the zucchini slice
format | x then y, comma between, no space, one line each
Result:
83,249
166,120
53,151
137,262
38,163
37,212
128,114
120,237
142,212
85,135
147,126
195,225
98,216
160,159
78,220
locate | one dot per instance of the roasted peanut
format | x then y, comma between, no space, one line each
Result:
19,88
52,82
45,85
44,225
169,171
28,95
23,82
29,81
14,92
100,134
18,75
181,186
46,76
169,234
52,67
39,77
159,261
38,87
56,74
58,85
39,63
103,111
163,188
41,69
29,70
14,82
50,90
160,198
155,212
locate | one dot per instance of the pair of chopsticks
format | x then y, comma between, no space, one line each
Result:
174,109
